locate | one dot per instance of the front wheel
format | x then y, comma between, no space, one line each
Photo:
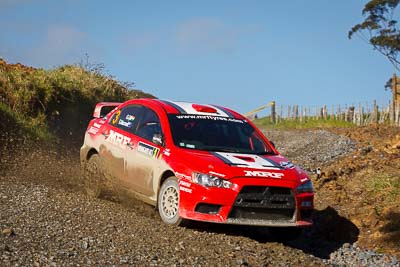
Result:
168,202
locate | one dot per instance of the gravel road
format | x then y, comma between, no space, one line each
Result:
47,226
46,220
310,149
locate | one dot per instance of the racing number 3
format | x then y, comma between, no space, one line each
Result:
116,118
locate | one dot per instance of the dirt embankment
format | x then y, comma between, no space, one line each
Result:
365,186
360,177
47,220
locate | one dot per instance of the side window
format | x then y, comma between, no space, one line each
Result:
149,125
126,118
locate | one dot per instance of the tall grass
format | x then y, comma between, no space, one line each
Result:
40,99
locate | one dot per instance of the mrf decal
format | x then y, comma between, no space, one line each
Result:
264,174
118,139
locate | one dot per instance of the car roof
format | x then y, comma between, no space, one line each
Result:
190,108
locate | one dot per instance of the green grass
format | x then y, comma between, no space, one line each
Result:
307,123
30,128
384,186
41,103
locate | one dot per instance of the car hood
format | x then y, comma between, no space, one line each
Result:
230,165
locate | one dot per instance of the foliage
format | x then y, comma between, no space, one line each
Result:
25,128
64,94
379,29
308,123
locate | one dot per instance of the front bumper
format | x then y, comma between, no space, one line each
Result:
251,201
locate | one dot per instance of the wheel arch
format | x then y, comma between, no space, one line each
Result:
166,174
90,153
85,154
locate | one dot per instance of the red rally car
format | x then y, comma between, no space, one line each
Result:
197,162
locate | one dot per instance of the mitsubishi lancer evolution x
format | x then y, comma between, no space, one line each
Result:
196,162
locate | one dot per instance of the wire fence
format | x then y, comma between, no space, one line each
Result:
359,114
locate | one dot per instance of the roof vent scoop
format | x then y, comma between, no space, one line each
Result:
205,109
248,159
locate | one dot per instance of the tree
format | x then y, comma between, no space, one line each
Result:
379,29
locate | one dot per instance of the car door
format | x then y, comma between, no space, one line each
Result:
118,139
144,163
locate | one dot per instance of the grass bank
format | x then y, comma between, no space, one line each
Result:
44,104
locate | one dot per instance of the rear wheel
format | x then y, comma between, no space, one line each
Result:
168,202
93,176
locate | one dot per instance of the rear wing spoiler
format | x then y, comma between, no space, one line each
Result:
103,108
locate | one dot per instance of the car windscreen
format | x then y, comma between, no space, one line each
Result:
214,133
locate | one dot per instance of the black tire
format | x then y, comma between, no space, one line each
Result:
168,202
93,176
285,233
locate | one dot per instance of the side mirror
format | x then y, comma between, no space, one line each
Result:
158,139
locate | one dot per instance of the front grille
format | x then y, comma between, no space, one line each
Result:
264,203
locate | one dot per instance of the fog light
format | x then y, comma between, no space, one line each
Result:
307,187
306,203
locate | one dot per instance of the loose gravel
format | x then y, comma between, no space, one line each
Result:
46,221
353,255
46,227
310,149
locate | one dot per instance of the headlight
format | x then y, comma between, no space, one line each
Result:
210,181
307,187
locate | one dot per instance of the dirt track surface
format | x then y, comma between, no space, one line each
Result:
46,219
53,226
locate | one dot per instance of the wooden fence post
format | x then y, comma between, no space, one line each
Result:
273,113
325,112
295,112
350,116
301,114
316,113
375,117
396,99
393,105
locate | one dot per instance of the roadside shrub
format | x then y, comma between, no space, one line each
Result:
61,99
